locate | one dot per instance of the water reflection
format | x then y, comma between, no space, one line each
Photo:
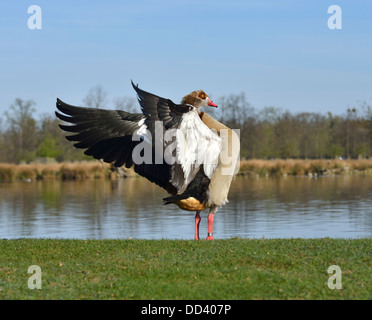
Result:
274,208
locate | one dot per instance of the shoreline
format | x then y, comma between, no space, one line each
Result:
255,168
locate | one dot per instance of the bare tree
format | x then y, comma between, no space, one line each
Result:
96,97
21,135
235,110
125,103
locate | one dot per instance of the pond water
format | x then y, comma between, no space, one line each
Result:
292,207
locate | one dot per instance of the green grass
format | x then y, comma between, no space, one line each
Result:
182,269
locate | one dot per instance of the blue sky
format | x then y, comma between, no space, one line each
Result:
280,53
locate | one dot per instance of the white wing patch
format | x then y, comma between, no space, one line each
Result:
196,145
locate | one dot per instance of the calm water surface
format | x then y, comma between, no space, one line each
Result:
338,207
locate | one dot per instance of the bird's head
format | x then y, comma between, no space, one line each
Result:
198,99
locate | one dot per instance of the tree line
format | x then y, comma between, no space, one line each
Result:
273,133
268,133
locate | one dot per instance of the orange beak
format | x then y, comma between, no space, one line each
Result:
211,103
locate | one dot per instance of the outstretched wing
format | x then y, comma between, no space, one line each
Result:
107,135
156,108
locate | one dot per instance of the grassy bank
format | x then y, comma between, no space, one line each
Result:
174,269
295,167
60,171
261,168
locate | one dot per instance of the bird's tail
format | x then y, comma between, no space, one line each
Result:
174,198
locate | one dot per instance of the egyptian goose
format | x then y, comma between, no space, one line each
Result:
176,146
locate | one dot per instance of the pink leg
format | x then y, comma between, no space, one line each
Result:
210,226
197,222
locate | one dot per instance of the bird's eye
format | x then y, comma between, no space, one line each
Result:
202,95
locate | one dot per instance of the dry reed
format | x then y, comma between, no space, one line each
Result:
64,171
318,167
255,167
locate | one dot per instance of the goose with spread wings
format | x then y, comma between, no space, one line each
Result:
176,146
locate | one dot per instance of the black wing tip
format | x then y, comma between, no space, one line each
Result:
135,87
61,105
58,115
58,103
